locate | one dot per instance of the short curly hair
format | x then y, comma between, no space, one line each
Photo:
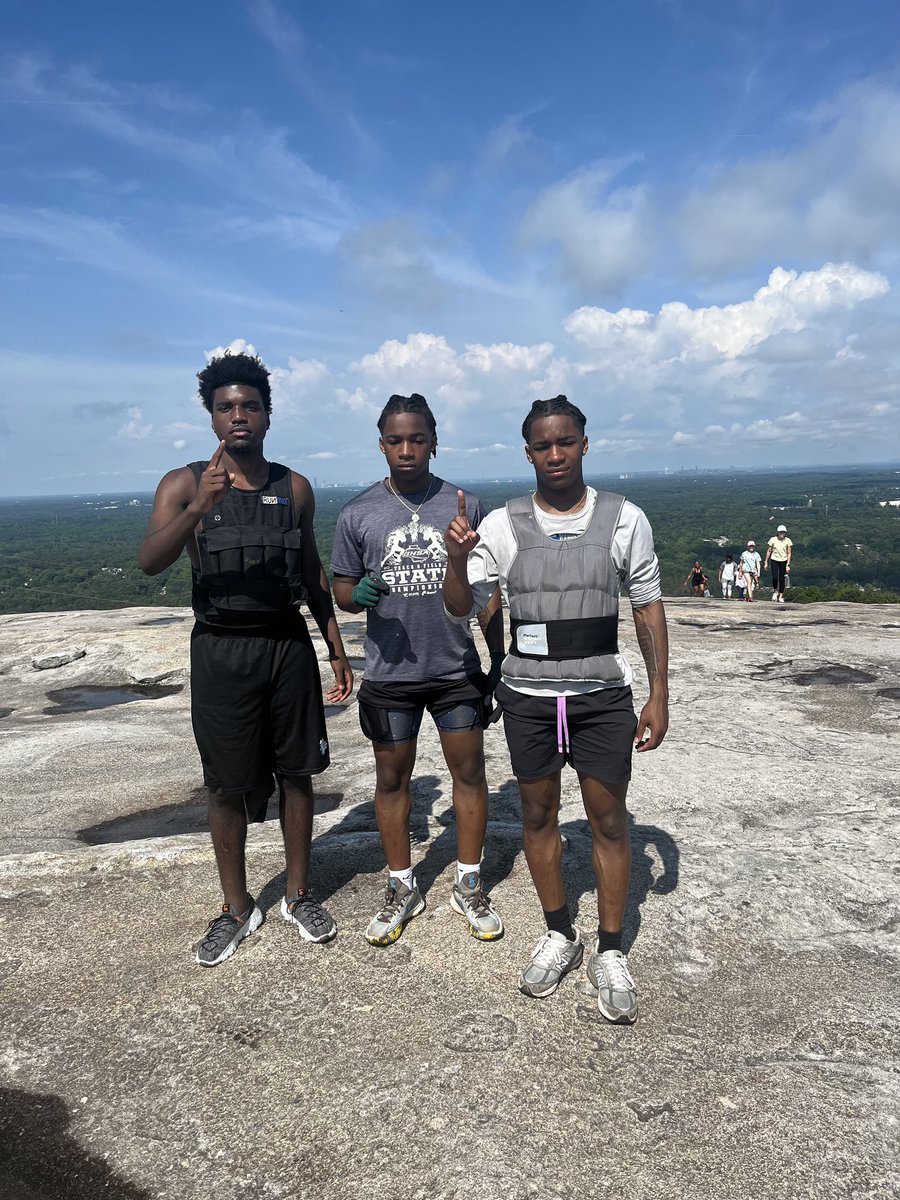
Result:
245,369
559,406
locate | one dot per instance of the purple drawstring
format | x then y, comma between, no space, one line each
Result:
562,726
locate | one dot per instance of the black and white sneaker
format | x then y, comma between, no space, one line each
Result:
225,933
312,920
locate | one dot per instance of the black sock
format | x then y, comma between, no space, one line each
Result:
559,921
608,941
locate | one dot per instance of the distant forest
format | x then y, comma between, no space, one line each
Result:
80,552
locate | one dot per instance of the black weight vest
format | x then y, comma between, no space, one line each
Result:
250,552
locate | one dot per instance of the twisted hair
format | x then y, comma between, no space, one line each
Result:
410,404
559,406
245,369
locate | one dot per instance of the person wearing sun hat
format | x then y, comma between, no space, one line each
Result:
750,561
779,551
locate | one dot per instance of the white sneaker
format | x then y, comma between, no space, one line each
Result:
774,597
781,599
552,958
616,994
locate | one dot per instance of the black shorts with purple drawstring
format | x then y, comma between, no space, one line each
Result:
592,732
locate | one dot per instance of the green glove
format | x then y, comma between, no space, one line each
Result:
497,657
369,591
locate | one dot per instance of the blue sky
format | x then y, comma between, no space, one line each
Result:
685,216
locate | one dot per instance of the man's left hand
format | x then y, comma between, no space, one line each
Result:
343,680
654,719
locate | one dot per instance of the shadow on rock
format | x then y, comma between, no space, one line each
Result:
340,854
578,871
40,1161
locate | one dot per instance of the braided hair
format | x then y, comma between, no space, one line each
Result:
410,404
559,406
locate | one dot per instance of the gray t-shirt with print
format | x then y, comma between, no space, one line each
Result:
409,637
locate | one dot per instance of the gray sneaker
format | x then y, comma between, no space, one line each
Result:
225,933
400,905
553,957
616,994
471,900
312,920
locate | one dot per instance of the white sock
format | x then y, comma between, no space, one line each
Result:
406,877
463,869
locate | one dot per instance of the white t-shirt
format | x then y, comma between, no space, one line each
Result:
728,570
633,558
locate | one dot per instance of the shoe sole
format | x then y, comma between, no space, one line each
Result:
528,989
303,931
477,934
254,921
388,939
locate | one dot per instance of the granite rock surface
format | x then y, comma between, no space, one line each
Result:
763,933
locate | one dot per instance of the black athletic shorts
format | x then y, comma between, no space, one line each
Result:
256,705
391,713
596,731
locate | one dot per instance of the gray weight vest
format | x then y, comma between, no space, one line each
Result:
564,598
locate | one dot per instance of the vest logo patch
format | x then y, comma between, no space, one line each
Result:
274,500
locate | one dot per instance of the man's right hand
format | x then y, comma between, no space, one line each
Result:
214,483
460,538
369,591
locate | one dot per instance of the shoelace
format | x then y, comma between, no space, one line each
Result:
479,902
312,910
616,970
391,904
548,953
217,926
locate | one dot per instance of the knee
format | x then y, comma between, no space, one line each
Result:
539,819
612,826
470,775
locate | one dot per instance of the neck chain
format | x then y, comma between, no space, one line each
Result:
414,511
569,511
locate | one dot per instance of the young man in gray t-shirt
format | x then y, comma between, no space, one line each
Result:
389,560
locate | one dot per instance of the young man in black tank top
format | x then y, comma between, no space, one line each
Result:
256,697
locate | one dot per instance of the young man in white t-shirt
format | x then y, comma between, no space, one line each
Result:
555,710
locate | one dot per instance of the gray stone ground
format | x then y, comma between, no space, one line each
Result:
764,928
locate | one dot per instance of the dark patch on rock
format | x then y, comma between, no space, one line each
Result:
163,621
5,712
39,1159
186,817
892,693
357,662
84,699
835,675
648,1112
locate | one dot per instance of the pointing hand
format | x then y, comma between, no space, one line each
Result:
460,538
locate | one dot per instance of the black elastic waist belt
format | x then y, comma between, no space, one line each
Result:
584,637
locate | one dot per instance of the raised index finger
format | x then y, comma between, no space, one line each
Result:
461,497
217,457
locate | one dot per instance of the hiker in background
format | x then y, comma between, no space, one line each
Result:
750,561
740,582
727,572
779,551
695,577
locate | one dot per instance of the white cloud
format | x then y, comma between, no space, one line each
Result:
179,444
787,303
604,236
834,194
322,454
134,429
